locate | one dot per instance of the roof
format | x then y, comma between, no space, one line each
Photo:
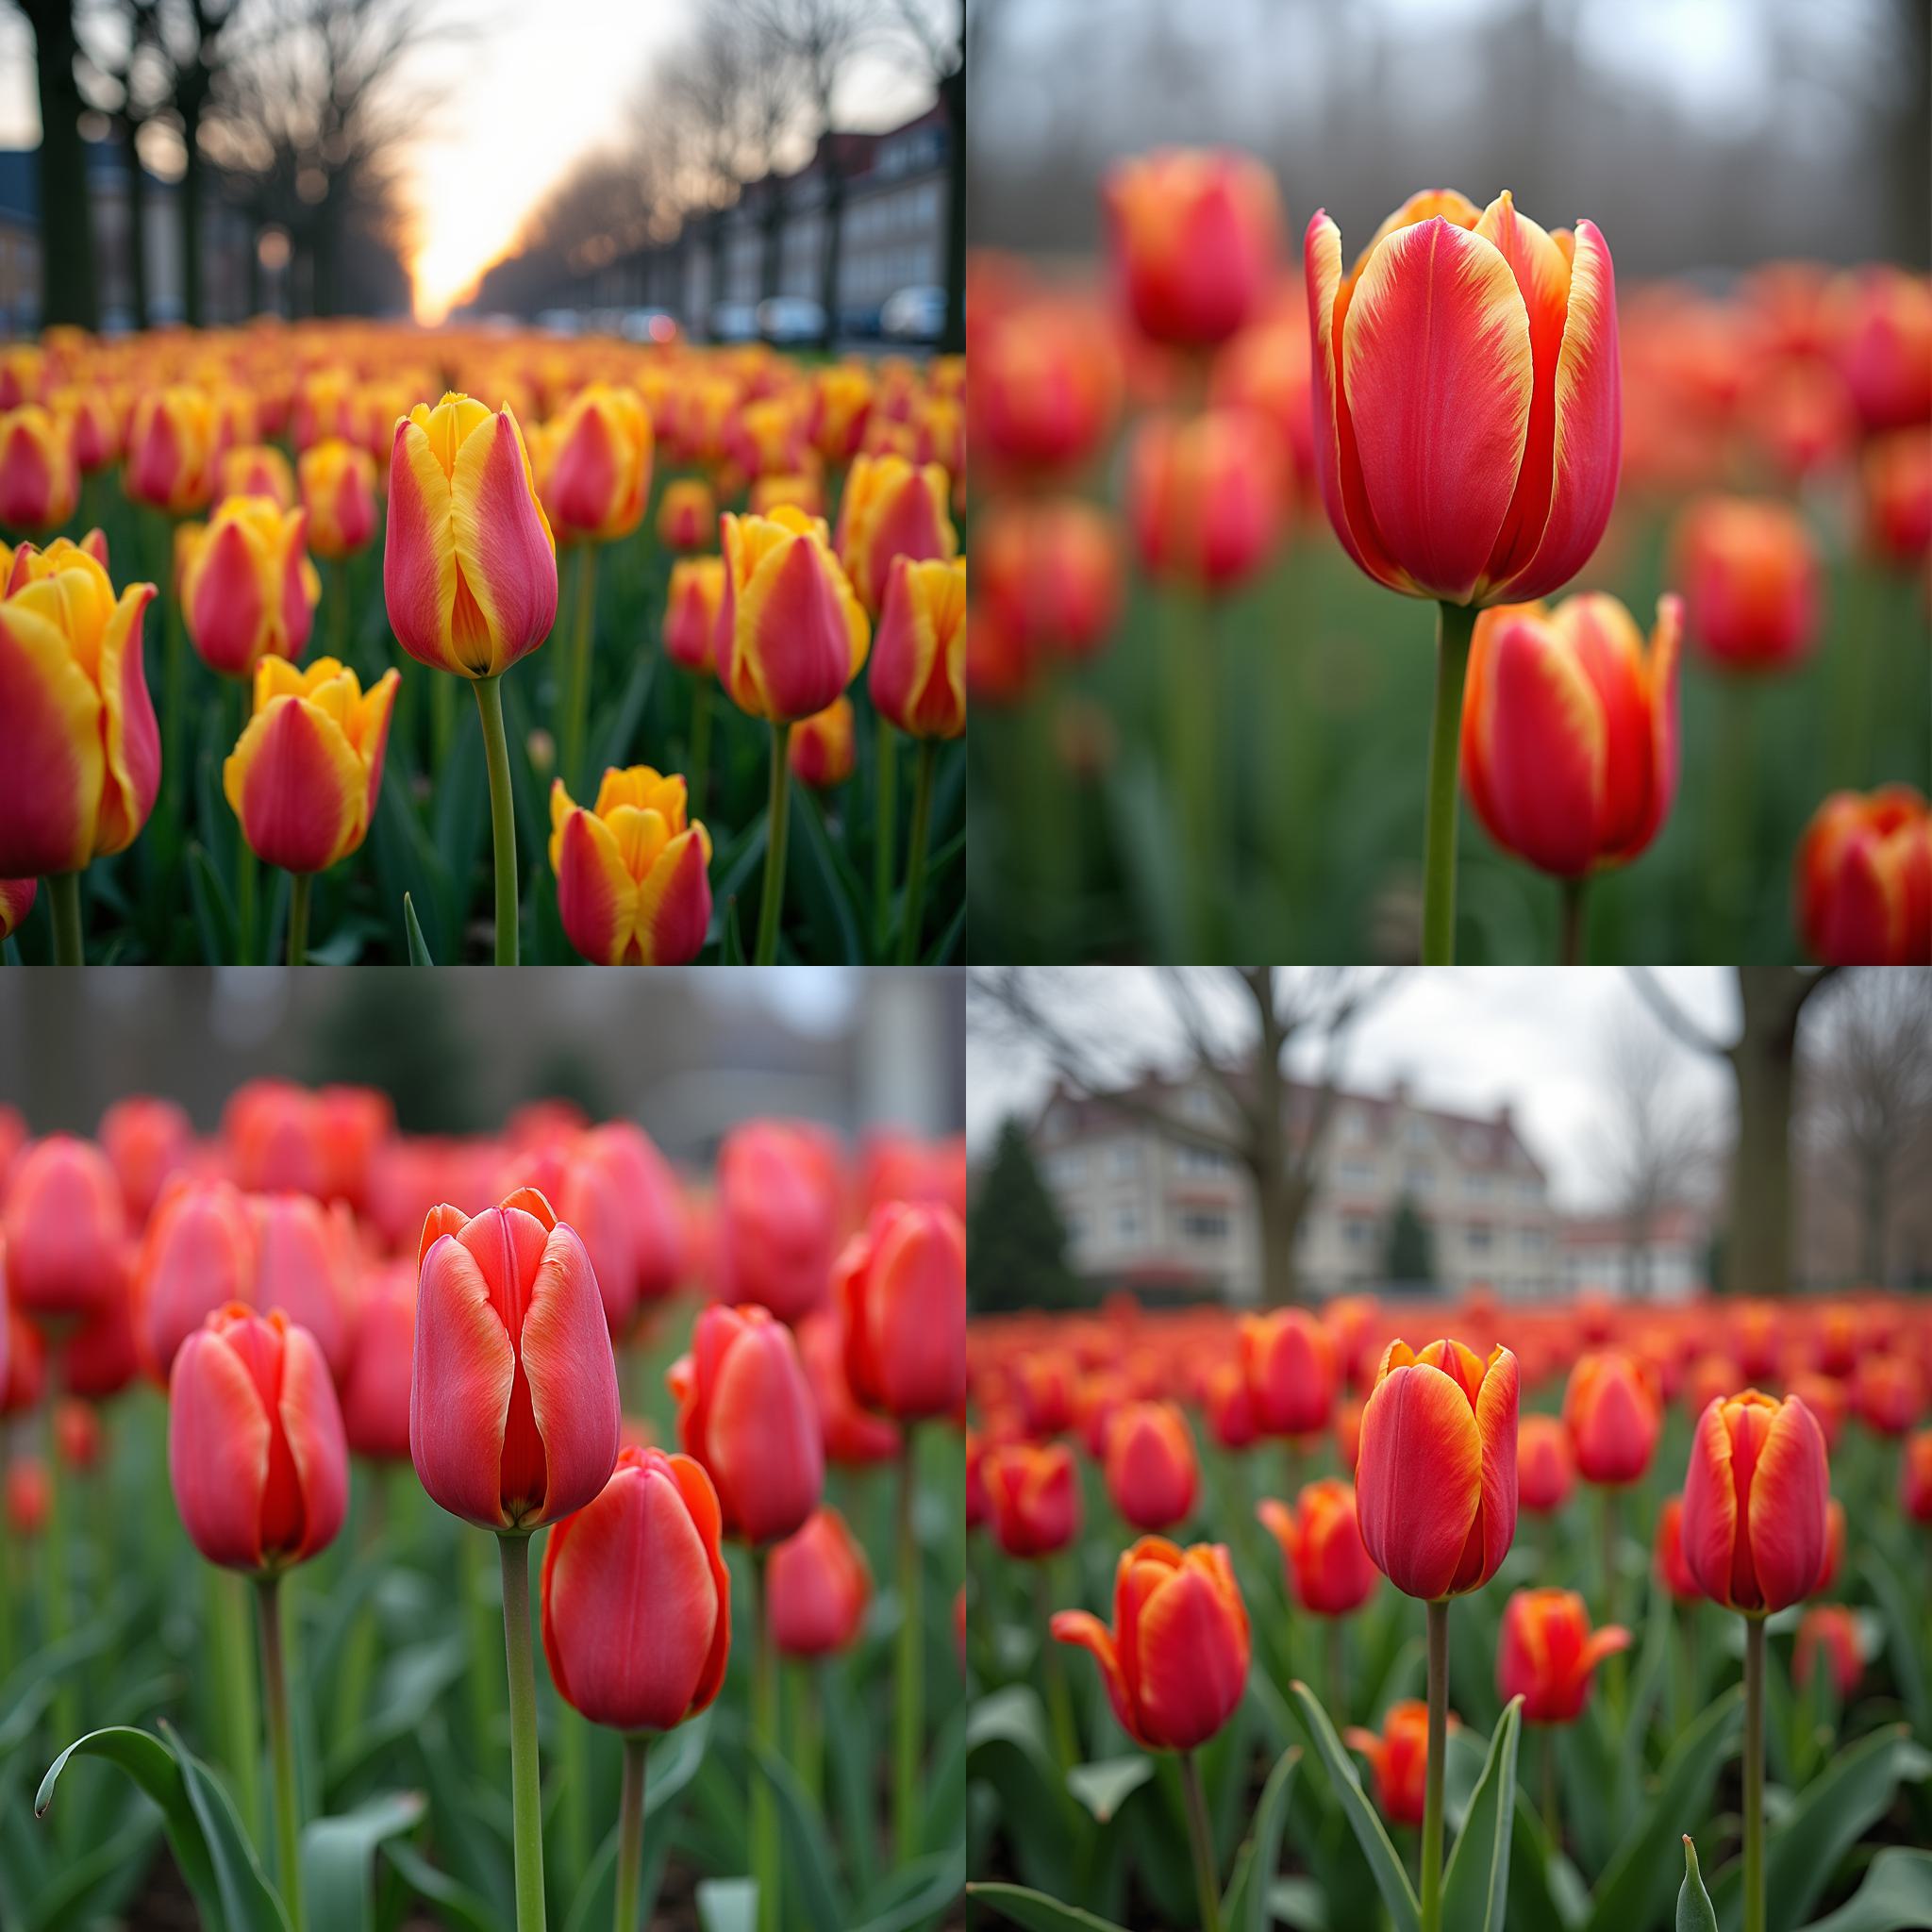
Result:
1678,1222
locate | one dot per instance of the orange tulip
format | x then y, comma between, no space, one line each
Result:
1547,1654
1399,1757
1546,1473
819,1587
1206,497
1032,1499
1754,1529
1897,479
1864,879
1047,573
1046,384
1151,1473
1290,1363
1751,582
1613,1410
1889,1391
633,884
1321,1546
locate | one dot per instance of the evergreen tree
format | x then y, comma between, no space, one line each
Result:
1411,1255
1016,1243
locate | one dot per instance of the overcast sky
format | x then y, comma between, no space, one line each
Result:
1466,1038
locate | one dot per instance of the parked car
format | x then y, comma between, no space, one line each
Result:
734,322
914,315
860,324
648,325
790,319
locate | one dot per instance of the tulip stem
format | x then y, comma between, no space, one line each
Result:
1338,1670
235,1695
698,756
63,902
764,1731
299,883
339,610
578,698
885,833
1571,951
630,1831
53,1550
915,852
1552,1824
1059,1703
1754,1774
1454,625
281,1744
503,821
1439,1747
1192,671
1207,1881
526,1795
244,903
908,1690
776,814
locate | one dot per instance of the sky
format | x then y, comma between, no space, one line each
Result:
1465,1039
537,86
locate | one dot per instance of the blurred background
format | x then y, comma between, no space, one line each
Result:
1761,173
686,1054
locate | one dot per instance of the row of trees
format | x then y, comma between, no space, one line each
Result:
752,91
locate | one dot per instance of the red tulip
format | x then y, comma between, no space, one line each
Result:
1322,1546
853,1436
637,1601
198,1255
1613,1411
1863,885
1750,577
305,1264
1151,1473
1834,1546
23,1361
1544,1472
1671,1565
590,1198
1399,1757
1207,497
1032,1499
255,1451
1290,1363
1228,1406
746,1412
147,1139
29,1495
375,1391
1889,1390
819,1587
1754,1529
65,1225
1547,1654
1915,1476
77,1433
652,1199
901,1291
1830,1628
777,1216
513,1407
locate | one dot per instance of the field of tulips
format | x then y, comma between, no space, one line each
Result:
1559,1623
315,1433
1229,492
737,571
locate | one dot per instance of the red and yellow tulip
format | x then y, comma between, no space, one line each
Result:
792,633
1864,879
632,883
918,676
248,590
890,508
338,493
40,481
823,752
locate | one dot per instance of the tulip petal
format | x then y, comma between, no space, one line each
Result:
701,1500
1086,1632
1192,1673
296,786
674,903
1785,1510
460,1386
51,778
1436,373
312,1422
1496,1423
419,558
224,613
218,1450
597,897
1419,1483
573,1374
504,553
1709,1525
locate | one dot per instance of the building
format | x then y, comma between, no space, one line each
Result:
1672,1264
1145,1210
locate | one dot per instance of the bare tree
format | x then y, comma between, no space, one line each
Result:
1763,1060
67,250
1239,1022
130,83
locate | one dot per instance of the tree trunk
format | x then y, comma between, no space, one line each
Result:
953,99
1758,1243
715,294
834,226
1275,1215
137,225
772,258
190,192
67,229
1872,1229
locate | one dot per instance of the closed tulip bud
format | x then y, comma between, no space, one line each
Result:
1348,1431
1547,1654
1613,1410
93,421
1267,370
842,397
338,495
637,1600
1864,879
1897,479
1046,383
305,1264
686,515
1829,1630
171,450
324,407
1047,573
821,752
1884,345
1827,1400
1290,1363
40,481
1321,1547
690,611
1915,1476
1193,233
599,472
248,590
305,775
1436,1479
1545,1474
633,883
22,1358
1754,1528
791,635
900,1289
1151,1473
653,1199
77,1433
819,1587
255,1451
23,375
469,568
1176,1661
918,676
1399,1757
1570,747
513,1406
891,510
1032,1497
777,1216
1751,581
16,902
147,1139
853,1437
1671,1565
256,468
1890,1393
376,1390
1206,497
29,1495
65,1225
745,1410
1501,497
197,1255
1228,1406
80,757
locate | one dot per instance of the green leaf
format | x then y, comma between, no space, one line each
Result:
419,951
1904,1632
1107,1784
1895,1897
1245,1906
1037,1911
1007,1747
214,912
929,1885
1391,1881
620,723
338,1858
453,1899
1694,1903
728,1905
808,1872
825,894
1475,1889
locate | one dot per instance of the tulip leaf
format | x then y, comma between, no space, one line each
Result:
728,1905
1694,1903
921,1891
214,912
419,951
825,893
1903,1633
621,723
338,1858
1037,1911
809,1878
80,1890
1476,1885
1386,1867
1107,1784
1007,1746
456,1903
1245,1907
1894,1896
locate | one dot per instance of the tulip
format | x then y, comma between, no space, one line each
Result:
1545,1474
376,1390
1864,879
777,1216
93,422
1897,483
78,747
686,515
1046,384
1750,577
650,1195
256,468
853,1436
1289,1364
197,1255
589,1196
1050,570
1915,1476
1323,1550
40,481
691,613
1400,1759
1151,1473
171,450
801,490
1193,235
1884,346
820,1588
891,510
248,590
1889,1391
918,677
338,496
599,472
1834,1546
29,1496
305,1259
1833,1630
1228,1407
22,1360
64,1225
841,398
1033,1502
1547,1654
1467,422
1671,1565
900,1289
1206,498
16,902
822,753
1613,1411
146,1139
633,886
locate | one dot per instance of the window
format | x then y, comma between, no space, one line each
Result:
1479,1237
1357,1173
1359,1231
1201,1226
1126,1225
1418,1182
1124,1160
1533,1240
1477,1186
1201,1161
1078,1227
1068,1167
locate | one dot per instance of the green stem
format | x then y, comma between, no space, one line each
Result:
1730,809
806,1734
764,1730
235,1694
1207,1879
299,883
630,1831
527,1795
1337,1668
698,761
503,821
482,1679
573,1775
66,1720
63,902
777,811
1439,1748
1454,625
577,701
1191,705
1754,1774
1059,1703
281,1743
915,852
1571,951
884,832
244,903
1552,1824
442,718
338,595
908,1690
